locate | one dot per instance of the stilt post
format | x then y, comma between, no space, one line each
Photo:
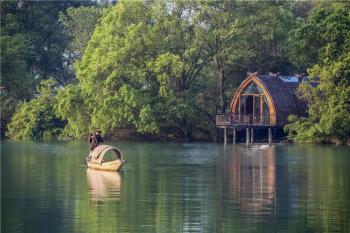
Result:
251,135
247,139
234,136
270,136
225,135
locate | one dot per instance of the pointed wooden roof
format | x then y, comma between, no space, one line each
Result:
281,96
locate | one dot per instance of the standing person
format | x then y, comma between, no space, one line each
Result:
93,144
95,139
92,141
98,137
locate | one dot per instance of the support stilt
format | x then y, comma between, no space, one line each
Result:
234,136
247,139
225,135
251,135
270,136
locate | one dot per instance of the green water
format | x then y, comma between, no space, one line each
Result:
170,187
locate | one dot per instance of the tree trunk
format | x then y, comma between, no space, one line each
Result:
220,84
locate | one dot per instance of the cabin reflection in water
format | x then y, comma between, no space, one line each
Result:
253,179
103,185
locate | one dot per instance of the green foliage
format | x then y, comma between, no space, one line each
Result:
8,107
79,24
165,67
14,76
129,75
302,129
70,106
36,119
33,46
329,102
147,121
244,36
144,65
33,39
321,36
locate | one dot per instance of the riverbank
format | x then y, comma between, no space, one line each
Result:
133,136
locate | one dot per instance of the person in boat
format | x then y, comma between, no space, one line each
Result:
95,139
92,141
99,138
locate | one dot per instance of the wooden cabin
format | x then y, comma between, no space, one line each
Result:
262,101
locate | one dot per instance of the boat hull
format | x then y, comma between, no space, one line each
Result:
114,165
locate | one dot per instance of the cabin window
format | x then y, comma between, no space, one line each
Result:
242,104
253,103
265,107
257,105
252,89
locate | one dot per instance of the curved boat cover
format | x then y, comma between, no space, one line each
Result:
96,156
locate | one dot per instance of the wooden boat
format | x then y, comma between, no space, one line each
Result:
96,159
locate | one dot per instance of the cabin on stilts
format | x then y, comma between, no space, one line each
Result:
262,102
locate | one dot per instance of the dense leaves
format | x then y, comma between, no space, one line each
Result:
36,44
142,60
33,46
167,67
36,118
32,43
79,24
161,67
327,32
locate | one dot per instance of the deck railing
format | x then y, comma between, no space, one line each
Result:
236,119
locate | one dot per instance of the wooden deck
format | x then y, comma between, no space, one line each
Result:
229,120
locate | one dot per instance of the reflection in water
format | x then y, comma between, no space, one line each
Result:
253,179
171,187
103,185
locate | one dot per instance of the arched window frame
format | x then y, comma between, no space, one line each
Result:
234,107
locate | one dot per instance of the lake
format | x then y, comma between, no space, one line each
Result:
175,187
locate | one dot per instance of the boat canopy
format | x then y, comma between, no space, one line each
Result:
96,156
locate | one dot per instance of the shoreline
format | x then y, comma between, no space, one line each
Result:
285,142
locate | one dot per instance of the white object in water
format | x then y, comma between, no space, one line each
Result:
264,146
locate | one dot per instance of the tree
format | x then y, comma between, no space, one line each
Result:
320,36
8,107
33,46
249,36
327,31
15,78
219,34
36,119
79,24
144,65
132,78
33,43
